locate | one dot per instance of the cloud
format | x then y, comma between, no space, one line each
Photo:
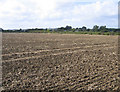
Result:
90,13
54,13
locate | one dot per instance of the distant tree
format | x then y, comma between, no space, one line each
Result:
36,28
73,29
103,28
1,29
20,30
77,28
80,29
95,28
60,29
84,28
68,27
88,29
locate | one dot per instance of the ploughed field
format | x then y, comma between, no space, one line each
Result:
38,61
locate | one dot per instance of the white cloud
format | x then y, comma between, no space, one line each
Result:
53,13
96,9
89,14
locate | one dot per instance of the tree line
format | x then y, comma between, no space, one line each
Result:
96,29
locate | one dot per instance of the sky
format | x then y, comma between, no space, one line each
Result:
15,14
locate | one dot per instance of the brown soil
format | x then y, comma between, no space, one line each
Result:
34,61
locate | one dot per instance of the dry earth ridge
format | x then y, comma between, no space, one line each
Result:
60,62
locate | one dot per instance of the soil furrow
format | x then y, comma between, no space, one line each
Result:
86,82
59,62
54,54
56,50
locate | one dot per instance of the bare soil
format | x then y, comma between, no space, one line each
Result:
38,61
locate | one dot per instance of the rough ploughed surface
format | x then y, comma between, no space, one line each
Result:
41,61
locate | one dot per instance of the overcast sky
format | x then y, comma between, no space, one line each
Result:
56,13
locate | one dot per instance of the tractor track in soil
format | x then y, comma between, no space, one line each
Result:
39,54
89,65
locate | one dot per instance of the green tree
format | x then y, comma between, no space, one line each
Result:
84,28
68,27
95,28
103,28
